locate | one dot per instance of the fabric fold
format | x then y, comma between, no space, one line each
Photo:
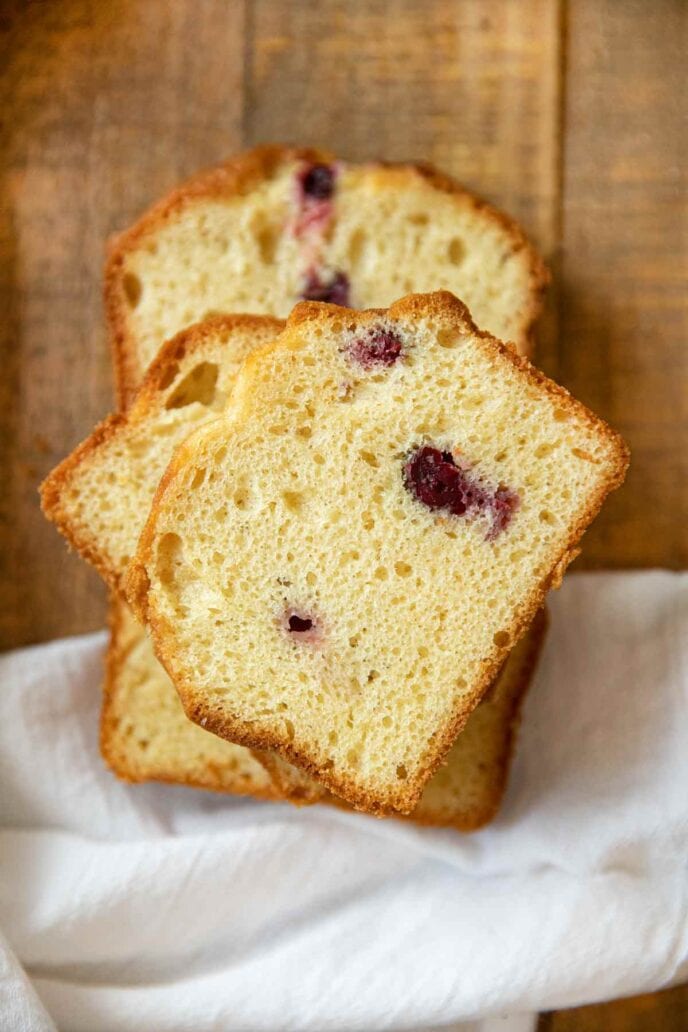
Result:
153,906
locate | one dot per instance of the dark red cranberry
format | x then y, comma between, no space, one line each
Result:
379,347
436,480
317,181
299,627
335,289
299,624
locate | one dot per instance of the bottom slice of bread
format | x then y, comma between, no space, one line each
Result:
144,733
145,736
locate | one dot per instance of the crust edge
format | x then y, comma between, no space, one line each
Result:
137,586
236,176
155,383
116,759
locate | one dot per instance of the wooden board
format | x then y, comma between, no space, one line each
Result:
651,1012
622,345
567,114
106,106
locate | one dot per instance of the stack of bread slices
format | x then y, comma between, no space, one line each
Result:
328,540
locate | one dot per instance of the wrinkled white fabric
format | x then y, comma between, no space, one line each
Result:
151,906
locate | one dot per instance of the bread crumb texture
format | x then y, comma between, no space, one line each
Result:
464,793
277,224
101,494
145,734
307,594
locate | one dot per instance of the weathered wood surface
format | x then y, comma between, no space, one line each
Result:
570,115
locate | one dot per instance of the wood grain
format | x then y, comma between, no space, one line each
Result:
470,86
652,1012
623,276
110,104
567,114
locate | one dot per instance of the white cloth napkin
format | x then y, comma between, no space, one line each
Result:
154,907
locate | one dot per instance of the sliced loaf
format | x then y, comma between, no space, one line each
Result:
466,792
144,734
100,495
337,569
278,224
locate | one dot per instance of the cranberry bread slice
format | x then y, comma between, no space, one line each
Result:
277,224
467,791
100,495
337,569
144,734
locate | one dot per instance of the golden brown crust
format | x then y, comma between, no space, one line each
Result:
442,305
158,378
215,777
480,816
342,787
115,657
161,371
305,792
308,793
538,274
57,482
237,176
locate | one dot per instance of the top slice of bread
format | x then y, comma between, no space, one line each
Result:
298,505
146,736
100,495
144,733
240,237
466,792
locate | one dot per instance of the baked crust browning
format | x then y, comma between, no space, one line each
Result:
234,177
439,808
444,309
157,386
477,817
244,172
127,758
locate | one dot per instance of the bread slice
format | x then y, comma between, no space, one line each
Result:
337,569
144,733
467,791
247,235
145,736
244,179
277,224
100,495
